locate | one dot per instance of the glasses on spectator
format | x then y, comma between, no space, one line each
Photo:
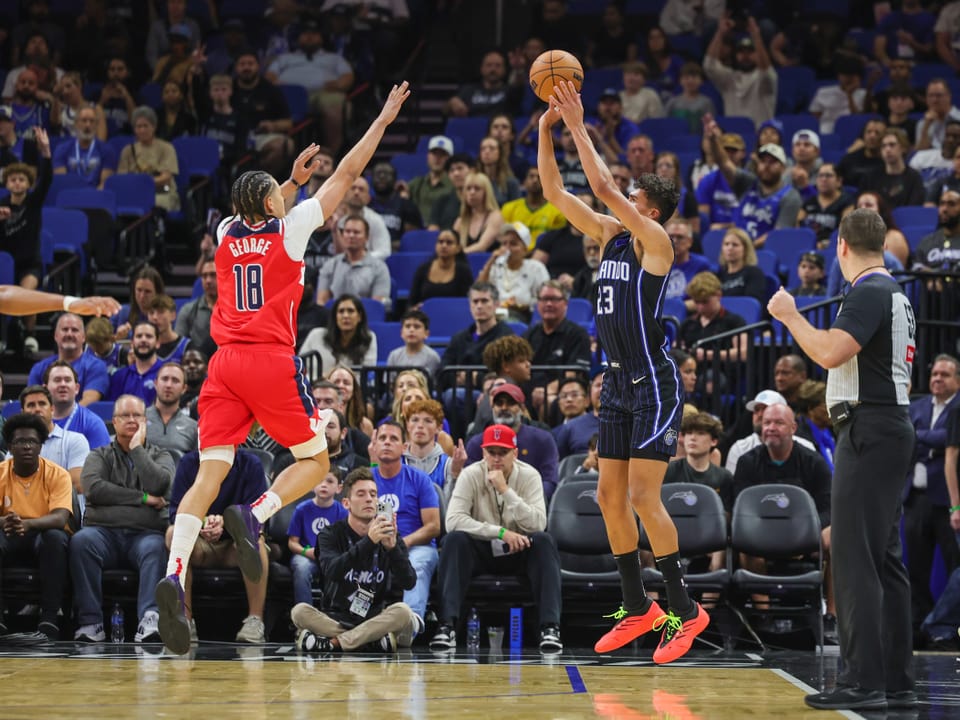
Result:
25,443
551,298
129,416
572,395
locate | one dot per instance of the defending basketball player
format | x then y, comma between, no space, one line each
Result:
256,375
640,405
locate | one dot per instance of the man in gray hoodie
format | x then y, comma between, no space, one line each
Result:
127,486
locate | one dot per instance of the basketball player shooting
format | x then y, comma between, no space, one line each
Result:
256,374
640,407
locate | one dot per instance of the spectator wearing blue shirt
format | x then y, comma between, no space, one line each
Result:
139,378
685,263
715,198
309,518
906,33
245,482
86,157
61,380
414,500
573,437
69,336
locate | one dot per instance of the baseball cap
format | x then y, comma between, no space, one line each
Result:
521,230
766,397
508,389
441,142
774,151
180,30
772,122
610,93
732,140
6,112
499,436
310,25
745,43
808,135
813,257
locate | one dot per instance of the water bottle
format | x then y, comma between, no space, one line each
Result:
116,624
473,630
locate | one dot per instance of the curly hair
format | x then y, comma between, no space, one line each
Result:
662,193
249,192
504,350
356,347
427,407
26,421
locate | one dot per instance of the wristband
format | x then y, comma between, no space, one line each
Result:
501,533
68,300
955,508
305,548
295,183
143,500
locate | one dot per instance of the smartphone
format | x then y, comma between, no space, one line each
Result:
384,510
499,548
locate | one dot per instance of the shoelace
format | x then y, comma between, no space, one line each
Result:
617,614
673,625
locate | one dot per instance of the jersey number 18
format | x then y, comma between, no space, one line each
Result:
248,280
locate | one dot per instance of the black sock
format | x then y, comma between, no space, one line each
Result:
635,600
677,597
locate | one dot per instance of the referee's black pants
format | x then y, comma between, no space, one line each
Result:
874,450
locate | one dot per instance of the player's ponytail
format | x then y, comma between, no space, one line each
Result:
248,194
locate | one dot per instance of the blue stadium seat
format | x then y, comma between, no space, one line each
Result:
103,409
419,241
298,102
915,216
388,338
795,88
785,242
768,261
58,183
519,328
448,316
848,127
376,312
151,94
674,307
711,241
477,260
89,199
793,122
136,193
925,72
595,81
664,130
119,142
409,165
579,311
471,130
197,155
915,233
746,307
402,266
69,229
197,289
6,268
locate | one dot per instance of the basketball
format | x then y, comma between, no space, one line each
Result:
551,67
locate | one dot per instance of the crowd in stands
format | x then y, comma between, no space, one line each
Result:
448,266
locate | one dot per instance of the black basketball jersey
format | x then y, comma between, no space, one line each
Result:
629,304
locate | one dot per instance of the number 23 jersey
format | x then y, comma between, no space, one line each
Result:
260,277
628,306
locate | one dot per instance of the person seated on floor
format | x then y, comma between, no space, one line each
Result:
34,524
362,558
216,549
496,523
309,518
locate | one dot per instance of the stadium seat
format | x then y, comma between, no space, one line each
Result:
197,155
848,127
151,94
402,266
915,234
419,241
136,193
409,165
477,260
746,307
794,122
768,261
915,216
795,86
59,183
784,242
448,316
298,103
119,142
89,199
663,131
471,130
70,230
711,242
388,338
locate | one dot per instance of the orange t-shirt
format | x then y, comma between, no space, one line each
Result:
47,489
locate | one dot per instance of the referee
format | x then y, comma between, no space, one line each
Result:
869,353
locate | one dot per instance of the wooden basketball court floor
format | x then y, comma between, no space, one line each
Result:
224,680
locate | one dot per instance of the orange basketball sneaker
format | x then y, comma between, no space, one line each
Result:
678,635
629,628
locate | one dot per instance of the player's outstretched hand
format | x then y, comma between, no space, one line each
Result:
303,165
391,108
567,100
550,116
782,304
95,305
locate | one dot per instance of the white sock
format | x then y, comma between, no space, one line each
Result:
266,506
186,528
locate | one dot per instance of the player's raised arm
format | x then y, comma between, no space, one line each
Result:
646,230
332,191
15,300
577,212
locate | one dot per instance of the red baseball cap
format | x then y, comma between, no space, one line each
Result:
499,436
508,389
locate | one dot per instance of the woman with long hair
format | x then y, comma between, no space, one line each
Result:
664,64
347,339
739,274
513,147
480,220
446,274
145,285
667,165
174,116
354,409
493,162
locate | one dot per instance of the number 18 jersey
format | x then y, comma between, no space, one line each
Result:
260,277
628,307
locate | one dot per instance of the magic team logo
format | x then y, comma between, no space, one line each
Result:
391,501
670,436
589,495
781,500
319,524
688,498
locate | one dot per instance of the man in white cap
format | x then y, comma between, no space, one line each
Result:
766,202
424,189
805,153
763,400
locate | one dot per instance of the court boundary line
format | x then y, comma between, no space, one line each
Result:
576,680
798,683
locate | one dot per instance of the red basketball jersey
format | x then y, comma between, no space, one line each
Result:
260,277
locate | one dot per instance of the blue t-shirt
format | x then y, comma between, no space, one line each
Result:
309,519
682,273
91,372
714,190
127,381
244,483
88,163
408,492
87,423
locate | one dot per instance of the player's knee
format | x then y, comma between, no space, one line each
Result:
221,453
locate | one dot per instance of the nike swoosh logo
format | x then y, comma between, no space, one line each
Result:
639,380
